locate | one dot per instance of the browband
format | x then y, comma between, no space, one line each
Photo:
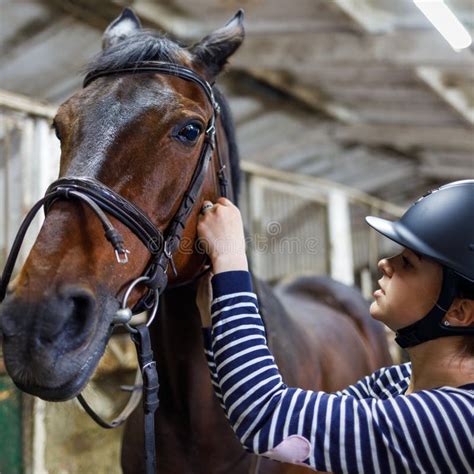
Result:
170,69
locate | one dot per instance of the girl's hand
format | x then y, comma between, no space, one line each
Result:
221,232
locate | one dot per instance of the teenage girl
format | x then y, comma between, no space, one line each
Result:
414,417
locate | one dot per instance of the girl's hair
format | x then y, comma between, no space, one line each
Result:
466,290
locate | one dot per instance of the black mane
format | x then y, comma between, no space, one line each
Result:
149,46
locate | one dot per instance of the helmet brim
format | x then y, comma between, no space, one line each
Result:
397,232
387,228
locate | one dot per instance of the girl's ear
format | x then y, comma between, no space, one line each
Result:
212,52
125,25
461,312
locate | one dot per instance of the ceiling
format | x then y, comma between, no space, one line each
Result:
362,92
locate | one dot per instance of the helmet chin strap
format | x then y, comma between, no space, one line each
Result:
431,326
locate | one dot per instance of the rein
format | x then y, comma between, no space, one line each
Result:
103,201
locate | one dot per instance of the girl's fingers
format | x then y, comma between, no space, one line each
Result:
207,206
224,201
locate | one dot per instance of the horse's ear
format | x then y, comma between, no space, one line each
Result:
213,51
124,25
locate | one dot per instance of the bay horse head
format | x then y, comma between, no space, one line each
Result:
135,137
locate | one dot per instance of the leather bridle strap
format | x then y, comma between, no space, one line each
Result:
129,408
110,202
99,198
15,249
158,67
148,376
158,272
150,392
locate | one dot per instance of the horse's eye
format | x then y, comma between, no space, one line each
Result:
190,133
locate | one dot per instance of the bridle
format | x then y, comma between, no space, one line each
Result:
103,201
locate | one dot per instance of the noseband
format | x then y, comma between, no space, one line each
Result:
103,201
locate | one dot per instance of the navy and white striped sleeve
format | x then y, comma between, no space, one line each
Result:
429,431
381,384
207,338
364,388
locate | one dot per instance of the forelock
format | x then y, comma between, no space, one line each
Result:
141,46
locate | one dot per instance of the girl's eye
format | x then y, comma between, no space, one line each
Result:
190,133
406,262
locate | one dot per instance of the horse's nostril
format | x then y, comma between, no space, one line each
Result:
82,304
73,318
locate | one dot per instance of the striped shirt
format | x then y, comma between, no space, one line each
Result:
370,427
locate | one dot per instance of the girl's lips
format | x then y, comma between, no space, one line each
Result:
378,293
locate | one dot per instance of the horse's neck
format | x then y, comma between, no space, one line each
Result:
188,407
178,349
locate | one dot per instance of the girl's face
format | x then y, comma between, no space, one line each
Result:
409,288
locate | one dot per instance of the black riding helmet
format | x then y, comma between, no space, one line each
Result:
440,225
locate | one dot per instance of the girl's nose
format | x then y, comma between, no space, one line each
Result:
385,267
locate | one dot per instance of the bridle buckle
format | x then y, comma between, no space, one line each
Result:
122,255
211,130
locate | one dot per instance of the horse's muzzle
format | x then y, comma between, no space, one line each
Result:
52,346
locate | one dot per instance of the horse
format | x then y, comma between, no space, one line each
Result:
140,133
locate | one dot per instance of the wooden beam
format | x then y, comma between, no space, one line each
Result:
446,172
321,186
452,96
407,138
245,107
27,30
311,52
446,165
95,14
456,158
72,43
166,18
22,103
375,181
373,76
291,153
429,115
101,14
365,16
266,131
379,93
310,96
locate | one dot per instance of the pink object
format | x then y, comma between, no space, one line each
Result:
294,449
